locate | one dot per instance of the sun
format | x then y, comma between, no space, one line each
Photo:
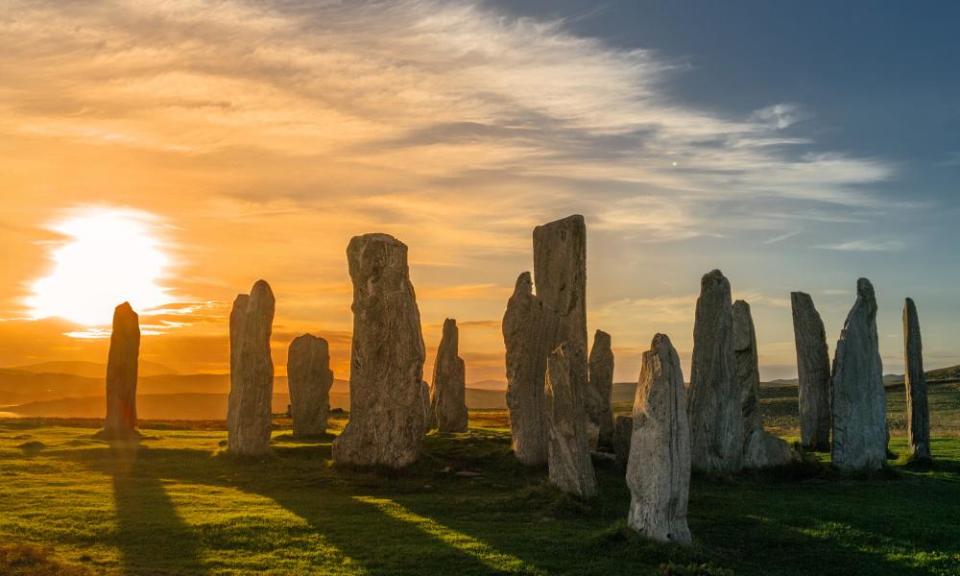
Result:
108,256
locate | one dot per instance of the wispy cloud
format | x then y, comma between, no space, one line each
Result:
866,245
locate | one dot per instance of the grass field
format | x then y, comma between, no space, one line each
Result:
177,504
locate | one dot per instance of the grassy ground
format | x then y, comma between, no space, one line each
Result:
176,504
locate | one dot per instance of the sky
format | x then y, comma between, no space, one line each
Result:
172,153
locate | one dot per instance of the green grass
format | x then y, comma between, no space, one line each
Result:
176,504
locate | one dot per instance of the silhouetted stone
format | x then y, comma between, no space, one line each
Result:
760,448
529,329
915,381
569,462
622,432
597,397
448,406
858,401
713,398
813,364
122,362
387,417
309,378
658,472
251,372
427,410
560,273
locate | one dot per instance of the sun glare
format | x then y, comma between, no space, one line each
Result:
109,256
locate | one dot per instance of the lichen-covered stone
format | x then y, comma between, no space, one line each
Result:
570,467
597,396
658,471
309,379
122,363
448,406
251,372
529,329
858,400
713,398
915,381
387,416
760,448
813,365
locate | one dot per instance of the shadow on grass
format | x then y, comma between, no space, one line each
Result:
428,520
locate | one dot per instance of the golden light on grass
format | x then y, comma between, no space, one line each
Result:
107,256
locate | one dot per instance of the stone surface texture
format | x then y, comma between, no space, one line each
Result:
448,406
387,416
858,400
251,372
309,379
915,381
658,471
713,397
622,434
813,365
570,466
599,390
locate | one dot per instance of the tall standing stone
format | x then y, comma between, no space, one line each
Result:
448,405
560,273
622,433
597,397
529,329
813,365
713,398
858,401
760,448
658,471
309,378
387,418
915,381
122,362
570,467
251,372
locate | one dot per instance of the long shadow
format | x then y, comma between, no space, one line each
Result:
151,536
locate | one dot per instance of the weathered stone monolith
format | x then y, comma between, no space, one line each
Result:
713,398
425,401
915,381
813,365
570,467
448,406
529,329
597,396
560,274
858,401
251,372
387,419
760,448
309,378
658,472
122,361
622,432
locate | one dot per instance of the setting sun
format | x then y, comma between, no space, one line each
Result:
108,256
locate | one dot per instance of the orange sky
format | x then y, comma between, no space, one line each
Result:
258,142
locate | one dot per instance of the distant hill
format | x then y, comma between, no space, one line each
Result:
90,369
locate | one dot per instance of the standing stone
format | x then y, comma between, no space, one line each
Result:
813,364
387,419
427,409
760,448
915,381
713,398
122,362
529,329
599,409
309,378
622,432
251,372
560,272
448,406
569,462
658,472
859,404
